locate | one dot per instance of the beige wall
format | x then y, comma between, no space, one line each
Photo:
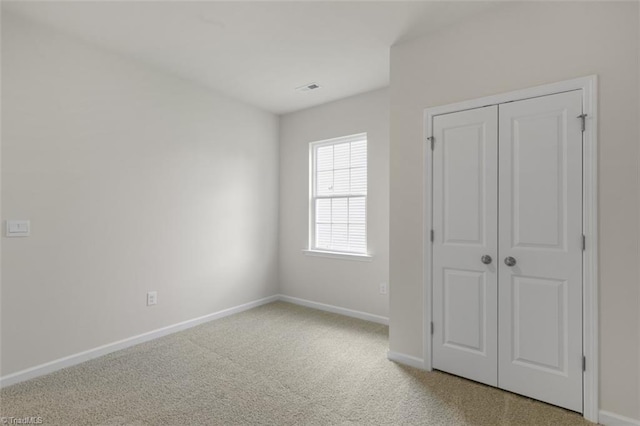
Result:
345,283
513,47
133,180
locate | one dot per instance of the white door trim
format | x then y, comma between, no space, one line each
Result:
588,85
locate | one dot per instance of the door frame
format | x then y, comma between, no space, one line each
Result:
588,85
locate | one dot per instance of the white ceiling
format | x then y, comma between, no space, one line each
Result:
258,52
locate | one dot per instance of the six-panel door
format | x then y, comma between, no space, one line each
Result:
511,191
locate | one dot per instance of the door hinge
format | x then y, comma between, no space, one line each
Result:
432,327
584,242
432,235
433,142
584,363
583,117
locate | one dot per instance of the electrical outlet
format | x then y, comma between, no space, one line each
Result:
152,298
383,288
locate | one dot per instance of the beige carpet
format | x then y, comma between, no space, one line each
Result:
278,364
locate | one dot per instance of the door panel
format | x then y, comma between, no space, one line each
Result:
464,317
465,221
540,210
540,324
463,180
539,178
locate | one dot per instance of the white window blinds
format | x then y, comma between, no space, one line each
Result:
339,195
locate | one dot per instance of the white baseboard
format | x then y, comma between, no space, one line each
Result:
605,417
78,358
409,360
68,361
335,309
612,419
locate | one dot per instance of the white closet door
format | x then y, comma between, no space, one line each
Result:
540,216
465,223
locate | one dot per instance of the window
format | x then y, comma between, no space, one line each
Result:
339,195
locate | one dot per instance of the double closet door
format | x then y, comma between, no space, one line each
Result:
507,249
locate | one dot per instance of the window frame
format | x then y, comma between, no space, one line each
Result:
313,197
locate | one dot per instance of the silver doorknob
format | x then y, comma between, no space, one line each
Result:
509,261
486,259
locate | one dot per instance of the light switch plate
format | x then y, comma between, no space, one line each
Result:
18,228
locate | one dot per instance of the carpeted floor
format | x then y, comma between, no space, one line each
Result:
279,364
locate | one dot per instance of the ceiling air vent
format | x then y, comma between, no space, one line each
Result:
308,87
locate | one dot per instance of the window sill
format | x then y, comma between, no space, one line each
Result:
339,255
